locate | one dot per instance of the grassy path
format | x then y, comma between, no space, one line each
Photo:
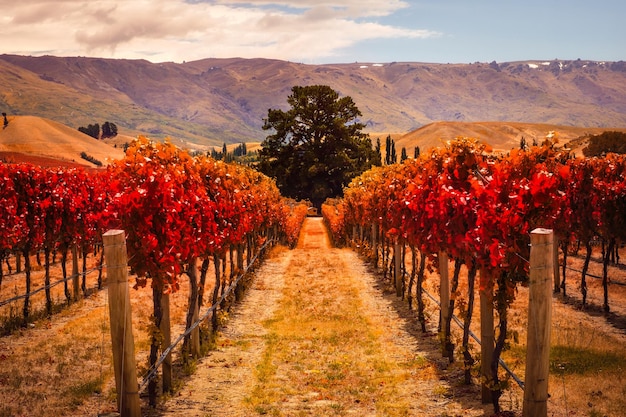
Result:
316,338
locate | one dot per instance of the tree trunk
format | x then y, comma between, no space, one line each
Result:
216,291
100,270
155,344
47,280
555,265
66,288
397,268
75,277
203,271
409,290
420,292
605,274
84,274
375,243
583,279
191,344
496,391
487,339
240,285
26,310
166,333
564,246
444,295
447,338
467,356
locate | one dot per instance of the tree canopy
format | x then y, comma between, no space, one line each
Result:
318,145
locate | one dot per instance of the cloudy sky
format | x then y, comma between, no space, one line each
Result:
317,31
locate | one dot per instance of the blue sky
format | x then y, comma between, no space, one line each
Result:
317,31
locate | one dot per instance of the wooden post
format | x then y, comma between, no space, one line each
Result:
539,324
487,338
444,293
555,265
121,324
397,268
166,332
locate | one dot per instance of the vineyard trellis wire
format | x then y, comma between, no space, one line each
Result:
153,371
458,321
50,286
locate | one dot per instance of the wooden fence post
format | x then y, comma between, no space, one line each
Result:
121,324
444,295
487,339
539,324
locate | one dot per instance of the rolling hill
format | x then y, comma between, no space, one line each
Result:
502,136
29,137
212,101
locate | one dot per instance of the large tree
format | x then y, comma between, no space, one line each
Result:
318,145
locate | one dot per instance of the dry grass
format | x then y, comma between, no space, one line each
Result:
327,353
327,350
61,366
42,137
588,353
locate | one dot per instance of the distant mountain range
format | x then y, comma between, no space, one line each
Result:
208,102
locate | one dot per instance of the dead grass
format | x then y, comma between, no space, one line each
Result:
588,353
43,137
321,342
61,366
327,353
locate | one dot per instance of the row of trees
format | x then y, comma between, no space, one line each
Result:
478,209
177,211
109,130
238,154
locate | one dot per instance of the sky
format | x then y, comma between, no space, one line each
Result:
317,31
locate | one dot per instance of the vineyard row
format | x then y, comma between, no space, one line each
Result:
463,202
177,211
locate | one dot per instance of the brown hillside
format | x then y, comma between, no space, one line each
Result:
212,101
502,136
46,138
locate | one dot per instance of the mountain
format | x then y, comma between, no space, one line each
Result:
28,137
211,101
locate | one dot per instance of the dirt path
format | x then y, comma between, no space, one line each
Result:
315,336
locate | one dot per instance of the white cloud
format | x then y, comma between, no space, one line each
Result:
163,30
